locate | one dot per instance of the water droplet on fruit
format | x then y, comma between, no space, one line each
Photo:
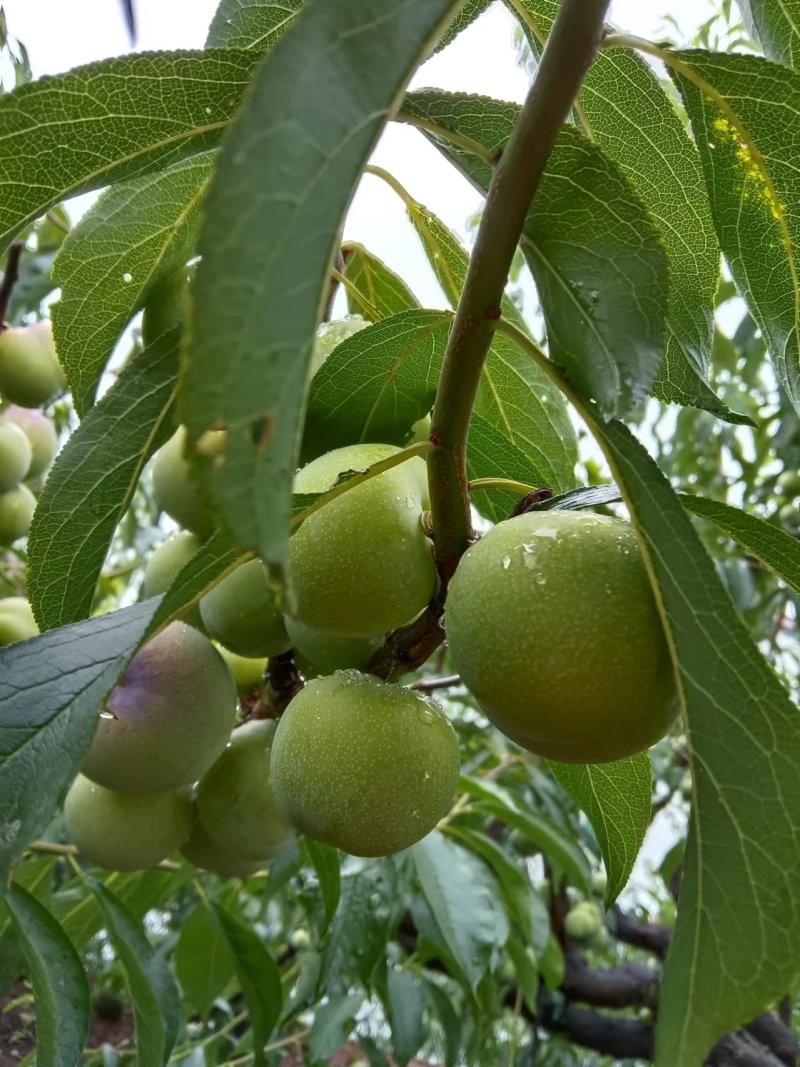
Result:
506,562
415,814
425,716
427,776
546,531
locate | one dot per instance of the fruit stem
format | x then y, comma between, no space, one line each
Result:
571,47
10,278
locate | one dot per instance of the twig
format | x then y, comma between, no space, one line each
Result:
429,685
10,278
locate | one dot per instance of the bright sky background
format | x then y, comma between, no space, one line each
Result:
61,34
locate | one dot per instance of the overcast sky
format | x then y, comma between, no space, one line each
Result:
60,34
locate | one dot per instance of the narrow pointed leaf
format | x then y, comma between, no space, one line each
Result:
255,24
135,234
92,482
152,987
204,963
471,10
257,302
377,383
737,939
775,24
384,293
750,158
60,987
598,262
776,549
258,976
110,121
50,692
623,107
617,798
463,898
405,1002
326,863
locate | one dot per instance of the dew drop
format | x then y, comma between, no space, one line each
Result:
427,776
127,277
506,562
415,814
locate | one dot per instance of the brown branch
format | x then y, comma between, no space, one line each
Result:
628,985
773,1033
10,279
612,1036
282,681
648,936
430,685
406,649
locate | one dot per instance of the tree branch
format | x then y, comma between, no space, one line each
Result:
10,278
629,985
572,45
648,936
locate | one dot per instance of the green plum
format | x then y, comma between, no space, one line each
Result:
248,673
331,334
361,565
583,922
552,624
16,620
175,489
325,652
164,565
16,455
126,831
30,374
41,434
362,765
235,802
242,613
17,506
168,719
201,851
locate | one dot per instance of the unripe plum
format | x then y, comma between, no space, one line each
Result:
362,765
247,672
207,854
361,565
331,334
16,455
40,433
126,831
175,489
30,373
166,563
16,620
326,652
169,718
235,802
552,624
583,922
17,506
242,613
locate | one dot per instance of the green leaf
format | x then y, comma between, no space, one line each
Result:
551,964
136,234
377,383
775,24
258,976
333,1024
587,496
35,875
110,121
257,301
443,1009
153,992
50,691
470,11
206,567
598,263
527,974
617,798
623,107
405,1003
59,982
255,24
750,161
777,550
357,938
462,896
743,733
384,292
203,961
563,853
326,863
92,482
523,904
514,395
490,454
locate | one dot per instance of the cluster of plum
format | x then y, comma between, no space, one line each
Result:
30,376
